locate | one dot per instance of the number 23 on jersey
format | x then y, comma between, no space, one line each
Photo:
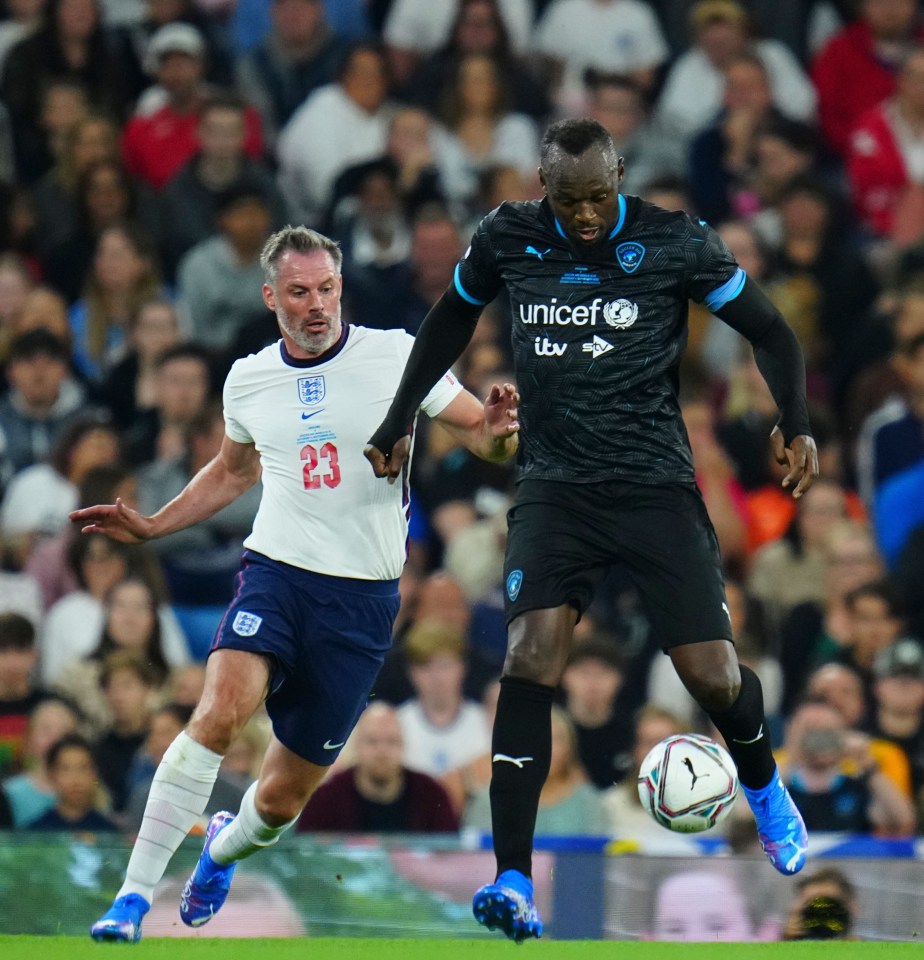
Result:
320,466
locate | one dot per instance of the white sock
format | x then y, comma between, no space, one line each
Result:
246,834
179,794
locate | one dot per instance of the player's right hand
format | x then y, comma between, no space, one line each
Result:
115,520
389,465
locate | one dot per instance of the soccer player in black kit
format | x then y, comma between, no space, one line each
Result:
599,284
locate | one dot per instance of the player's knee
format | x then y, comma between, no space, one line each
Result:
216,730
717,694
277,805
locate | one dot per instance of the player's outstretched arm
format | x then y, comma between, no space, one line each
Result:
443,335
490,429
234,470
780,361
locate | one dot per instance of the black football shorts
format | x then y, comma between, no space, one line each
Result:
562,537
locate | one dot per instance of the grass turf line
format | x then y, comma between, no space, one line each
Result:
206,948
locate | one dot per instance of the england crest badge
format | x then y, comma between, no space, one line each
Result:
246,624
311,390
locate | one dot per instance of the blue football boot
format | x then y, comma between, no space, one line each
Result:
780,827
507,904
207,889
121,923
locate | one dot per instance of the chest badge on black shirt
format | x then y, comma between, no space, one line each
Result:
629,255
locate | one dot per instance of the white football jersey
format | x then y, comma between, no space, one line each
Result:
322,507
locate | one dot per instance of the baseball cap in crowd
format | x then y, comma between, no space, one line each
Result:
712,11
904,658
173,38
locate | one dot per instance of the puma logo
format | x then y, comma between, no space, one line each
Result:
516,761
688,763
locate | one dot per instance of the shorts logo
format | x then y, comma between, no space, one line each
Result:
620,313
630,255
246,624
514,582
311,390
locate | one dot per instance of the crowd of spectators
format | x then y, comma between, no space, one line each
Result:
147,150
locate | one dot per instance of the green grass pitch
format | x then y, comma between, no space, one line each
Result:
204,948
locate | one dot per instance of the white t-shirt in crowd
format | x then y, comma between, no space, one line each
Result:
322,508
437,750
424,25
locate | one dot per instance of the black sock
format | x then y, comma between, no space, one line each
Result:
521,750
744,728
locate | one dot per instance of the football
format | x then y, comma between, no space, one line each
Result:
688,783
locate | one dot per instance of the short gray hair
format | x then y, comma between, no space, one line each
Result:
298,240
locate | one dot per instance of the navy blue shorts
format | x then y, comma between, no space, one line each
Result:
327,638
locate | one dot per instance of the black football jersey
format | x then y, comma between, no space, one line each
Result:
598,334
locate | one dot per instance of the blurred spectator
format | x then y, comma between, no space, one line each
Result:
15,283
187,682
167,722
19,695
899,511
183,383
23,17
626,819
128,688
220,280
132,36
475,558
823,908
47,561
193,198
299,54
792,569
156,144
568,804
124,274
241,764
200,563
892,438
130,386
38,499
721,158
907,579
131,625
479,28
354,113
379,793
42,308
73,775
649,151
106,198
42,398
852,561
858,67
74,625
721,30
415,28
31,793
898,713
483,131
442,730
818,742
715,476
70,45
882,160
842,688
591,682
576,34
88,140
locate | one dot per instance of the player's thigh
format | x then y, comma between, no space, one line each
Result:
668,546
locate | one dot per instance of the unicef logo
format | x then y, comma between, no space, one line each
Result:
620,313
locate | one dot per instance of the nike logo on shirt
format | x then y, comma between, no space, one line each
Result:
308,416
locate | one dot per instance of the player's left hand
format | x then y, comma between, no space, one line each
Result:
389,465
801,456
501,413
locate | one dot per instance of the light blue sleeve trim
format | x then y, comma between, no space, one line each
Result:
462,292
727,292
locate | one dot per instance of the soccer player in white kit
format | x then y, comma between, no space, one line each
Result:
317,594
